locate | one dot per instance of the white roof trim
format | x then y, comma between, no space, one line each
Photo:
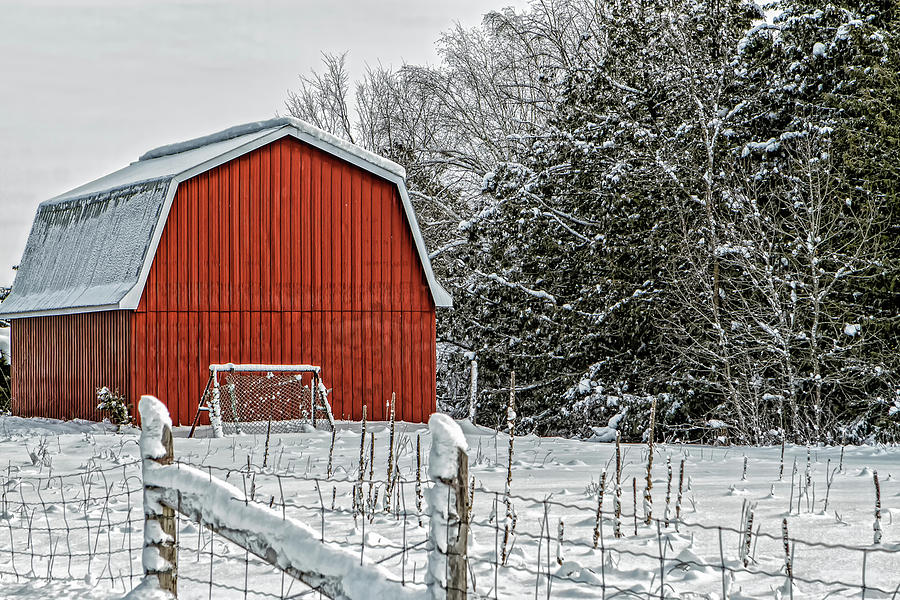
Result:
287,126
329,140
73,310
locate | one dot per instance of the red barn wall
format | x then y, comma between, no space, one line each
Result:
59,362
288,255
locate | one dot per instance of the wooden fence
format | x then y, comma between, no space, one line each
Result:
288,544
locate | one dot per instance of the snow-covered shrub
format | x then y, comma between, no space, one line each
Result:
115,406
602,413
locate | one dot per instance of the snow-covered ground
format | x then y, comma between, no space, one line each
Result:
564,473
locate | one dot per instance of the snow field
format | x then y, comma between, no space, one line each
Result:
553,480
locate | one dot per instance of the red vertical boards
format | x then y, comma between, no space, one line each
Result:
285,254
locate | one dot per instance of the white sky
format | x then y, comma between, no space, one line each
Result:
86,87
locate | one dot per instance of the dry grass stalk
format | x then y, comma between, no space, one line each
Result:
791,499
509,522
748,536
617,497
419,478
876,526
829,479
358,501
648,498
599,516
841,465
559,543
634,500
390,463
668,489
471,498
787,549
268,437
680,493
331,453
371,498
781,468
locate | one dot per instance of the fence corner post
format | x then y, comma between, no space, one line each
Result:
160,553
448,508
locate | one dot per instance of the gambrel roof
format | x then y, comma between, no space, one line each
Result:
91,248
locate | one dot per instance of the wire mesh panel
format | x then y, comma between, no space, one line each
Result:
260,399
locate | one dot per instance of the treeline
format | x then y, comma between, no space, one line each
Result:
692,202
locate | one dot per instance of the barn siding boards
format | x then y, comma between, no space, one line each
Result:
284,254
63,360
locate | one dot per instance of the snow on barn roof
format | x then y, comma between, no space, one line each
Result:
91,248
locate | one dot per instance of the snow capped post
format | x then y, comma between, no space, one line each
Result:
159,556
448,467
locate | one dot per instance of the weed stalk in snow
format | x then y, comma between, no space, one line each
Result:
331,453
680,492
668,489
511,425
748,536
371,499
390,464
634,501
781,468
362,463
471,502
788,569
876,526
599,509
617,497
791,499
419,478
841,465
829,479
648,498
559,542
268,435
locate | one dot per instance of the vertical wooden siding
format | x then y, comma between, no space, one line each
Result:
59,362
288,255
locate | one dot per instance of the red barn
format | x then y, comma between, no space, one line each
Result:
271,242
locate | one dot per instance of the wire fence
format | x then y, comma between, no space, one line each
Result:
88,526
79,526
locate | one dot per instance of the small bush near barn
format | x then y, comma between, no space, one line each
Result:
115,406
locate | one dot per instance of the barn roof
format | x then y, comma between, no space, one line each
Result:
91,248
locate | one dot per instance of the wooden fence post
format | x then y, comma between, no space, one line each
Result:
448,508
160,554
457,551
